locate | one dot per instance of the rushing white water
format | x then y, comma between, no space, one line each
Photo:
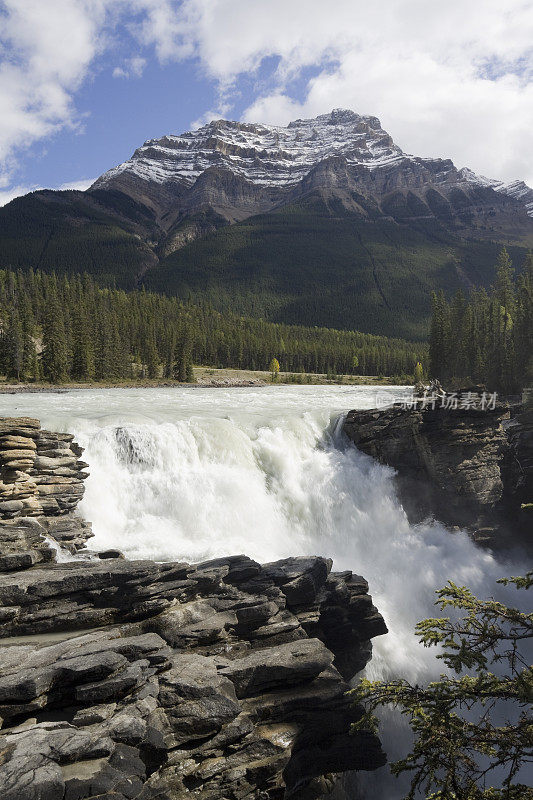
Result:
197,473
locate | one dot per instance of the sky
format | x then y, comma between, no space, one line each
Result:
85,82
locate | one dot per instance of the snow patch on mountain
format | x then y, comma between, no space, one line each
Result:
518,190
275,156
267,155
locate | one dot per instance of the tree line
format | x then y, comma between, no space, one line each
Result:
68,328
486,337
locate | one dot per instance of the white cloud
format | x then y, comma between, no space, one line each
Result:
80,185
170,26
451,80
446,80
220,112
132,68
47,48
7,195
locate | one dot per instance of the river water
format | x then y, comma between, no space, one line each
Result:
192,474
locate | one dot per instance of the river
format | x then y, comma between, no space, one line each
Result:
186,473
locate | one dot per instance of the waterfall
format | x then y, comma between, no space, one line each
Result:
195,474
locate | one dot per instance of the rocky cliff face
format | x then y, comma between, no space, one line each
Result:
517,470
448,460
468,467
123,679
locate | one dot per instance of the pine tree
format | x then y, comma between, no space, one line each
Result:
523,332
83,363
27,324
103,332
170,347
151,357
504,282
102,346
14,347
36,372
54,355
438,338
505,296
472,727
488,337
184,354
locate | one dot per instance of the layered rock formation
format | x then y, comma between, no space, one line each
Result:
466,466
39,471
41,483
134,679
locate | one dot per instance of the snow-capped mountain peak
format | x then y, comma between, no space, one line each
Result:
276,157
264,154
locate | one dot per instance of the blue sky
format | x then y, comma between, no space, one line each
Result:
118,115
85,82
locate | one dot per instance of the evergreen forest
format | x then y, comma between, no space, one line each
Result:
68,328
486,337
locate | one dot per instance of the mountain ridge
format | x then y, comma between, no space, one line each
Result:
270,155
324,222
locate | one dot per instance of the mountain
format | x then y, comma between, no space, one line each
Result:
324,222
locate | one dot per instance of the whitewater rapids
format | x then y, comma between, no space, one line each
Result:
191,474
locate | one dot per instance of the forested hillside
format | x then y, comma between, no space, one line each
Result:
316,263
312,262
487,336
73,232
68,328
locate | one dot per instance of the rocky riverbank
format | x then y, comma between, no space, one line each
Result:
468,467
201,383
134,679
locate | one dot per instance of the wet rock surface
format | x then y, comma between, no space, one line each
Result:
133,679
